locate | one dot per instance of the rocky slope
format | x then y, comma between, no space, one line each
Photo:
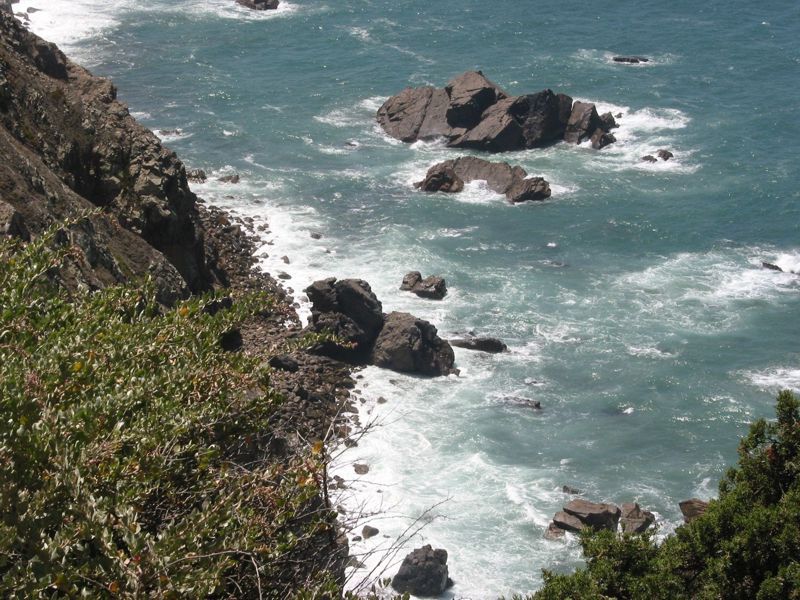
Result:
67,145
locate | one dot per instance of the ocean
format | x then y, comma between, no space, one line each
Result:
633,300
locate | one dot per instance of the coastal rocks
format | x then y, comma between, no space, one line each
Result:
196,176
662,154
634,519
480,344
450,176
12,222
594,514
765,265
260,4
583,122
398,341
433,287
474,113
369,532
692,509
581,514
348,309
411,345
631,60
423,573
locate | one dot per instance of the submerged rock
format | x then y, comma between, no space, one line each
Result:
766,265
260,4
500,177
424,572
631,60
481,344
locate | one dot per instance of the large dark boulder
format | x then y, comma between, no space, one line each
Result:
401,116
634,519
411,345
470,94
498,131
601,139
583,122
499,177
631,60
567,522
433,287
348,309
594,514
543,117
423,573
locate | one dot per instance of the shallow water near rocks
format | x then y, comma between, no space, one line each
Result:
633,301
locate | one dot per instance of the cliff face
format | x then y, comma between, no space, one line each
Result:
67,145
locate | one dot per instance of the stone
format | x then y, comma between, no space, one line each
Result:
583,122
498,131
593,514
554,533
544,117
433,287
424,573
631,60
567,522
664,154
649,158
481,344
608,121
692,509
500,177
401,116
361,469
570,490
441,178
411,345
284,362
196,175
316,236
765,265
229,178
368,532
12,223
469,95
600,139
635,520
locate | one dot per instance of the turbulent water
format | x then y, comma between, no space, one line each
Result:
633,301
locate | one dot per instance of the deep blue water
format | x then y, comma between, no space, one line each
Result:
633,300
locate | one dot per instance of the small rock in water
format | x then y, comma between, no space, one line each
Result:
571,490
229,178
771,267
361,469
664,154
369,532
631,60
285,259
283,275
649,158
316,236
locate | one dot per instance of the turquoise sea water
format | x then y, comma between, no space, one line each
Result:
633,301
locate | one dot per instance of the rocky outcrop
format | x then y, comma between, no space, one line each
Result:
765,265
423,573
398,341
68,146
662,154
692,509
260,4
474,113
634,519
450,176
480,344
580,514
432,287
411,345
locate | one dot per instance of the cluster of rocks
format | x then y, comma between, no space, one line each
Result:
580,514
662,154
432,287
451,175
472,112
399,341
423,573
260,4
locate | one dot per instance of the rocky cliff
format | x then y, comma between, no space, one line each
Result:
67,145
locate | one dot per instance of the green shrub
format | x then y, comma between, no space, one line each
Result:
746,546
132,459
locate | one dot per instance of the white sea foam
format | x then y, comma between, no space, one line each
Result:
775,379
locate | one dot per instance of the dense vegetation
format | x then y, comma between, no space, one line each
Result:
746,546
134,454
